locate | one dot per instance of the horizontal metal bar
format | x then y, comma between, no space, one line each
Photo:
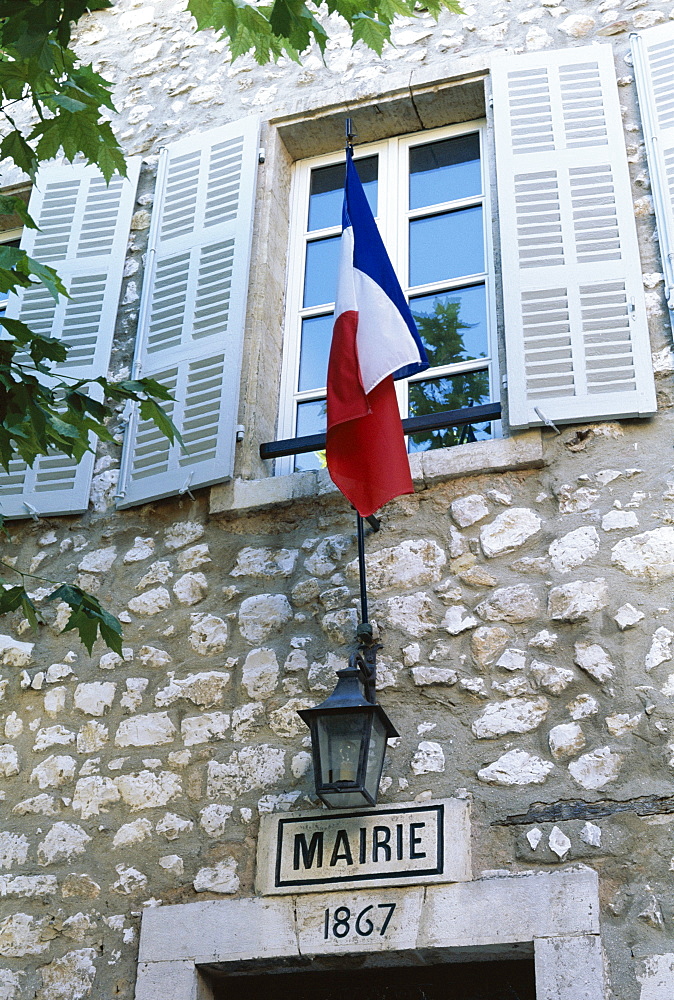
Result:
413,425
452,418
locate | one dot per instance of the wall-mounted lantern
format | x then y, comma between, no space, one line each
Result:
349,731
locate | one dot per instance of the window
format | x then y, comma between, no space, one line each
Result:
84,225
429,194
192,311
575,332
8,238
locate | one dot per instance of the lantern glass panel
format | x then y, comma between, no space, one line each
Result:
341,741
375,757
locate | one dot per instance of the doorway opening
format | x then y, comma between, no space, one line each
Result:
487,980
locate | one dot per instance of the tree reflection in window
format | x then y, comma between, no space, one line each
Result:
448,340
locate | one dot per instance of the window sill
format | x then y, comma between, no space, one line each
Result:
520,451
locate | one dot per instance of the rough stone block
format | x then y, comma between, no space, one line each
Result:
569,968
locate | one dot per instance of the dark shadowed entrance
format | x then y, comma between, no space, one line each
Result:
502,980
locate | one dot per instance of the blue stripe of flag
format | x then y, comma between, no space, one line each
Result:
370,257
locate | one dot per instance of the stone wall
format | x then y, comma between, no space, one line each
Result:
525,616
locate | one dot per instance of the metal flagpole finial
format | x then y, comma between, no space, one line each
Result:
350,134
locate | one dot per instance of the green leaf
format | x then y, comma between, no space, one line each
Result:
88,616
17,149
50,140
69,103
289,26
373,33
149,410
11,598
48,276
130,388
85,625
10,205
30,611
109,157
86,82
11,256
39,347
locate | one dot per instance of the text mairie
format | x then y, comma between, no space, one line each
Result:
379,845
360,846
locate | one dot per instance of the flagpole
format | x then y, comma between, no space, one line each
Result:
361,570
368,648
364,634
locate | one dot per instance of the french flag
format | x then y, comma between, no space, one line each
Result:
374,341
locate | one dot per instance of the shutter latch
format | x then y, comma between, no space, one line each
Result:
31,510
240,431
547,421
186,487
632,306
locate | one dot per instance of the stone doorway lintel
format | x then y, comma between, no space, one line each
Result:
554,914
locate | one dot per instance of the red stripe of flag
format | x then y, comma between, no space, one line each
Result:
365,446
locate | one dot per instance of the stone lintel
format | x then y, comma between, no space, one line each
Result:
485,913
510,909
219,930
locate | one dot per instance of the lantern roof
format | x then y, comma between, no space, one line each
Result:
348,697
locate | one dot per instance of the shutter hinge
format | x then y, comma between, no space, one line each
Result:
490,102
125,416
31,510
632,306
547,421
504,381
240,431
261,154
186,487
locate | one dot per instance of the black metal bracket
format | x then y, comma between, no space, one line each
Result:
365,662
412,425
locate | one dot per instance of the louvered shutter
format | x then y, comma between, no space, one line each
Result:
653,53
84,226
192,314
575,321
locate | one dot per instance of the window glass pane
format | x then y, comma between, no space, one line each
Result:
311,419
445,170
431,395
320,276
327,192
446,246
314,352
453,325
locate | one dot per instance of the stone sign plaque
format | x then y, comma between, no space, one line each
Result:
405,844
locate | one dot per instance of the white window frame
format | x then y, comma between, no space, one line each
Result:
393,224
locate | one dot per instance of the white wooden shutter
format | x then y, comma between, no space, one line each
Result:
192,315
653,53
575,321
84,227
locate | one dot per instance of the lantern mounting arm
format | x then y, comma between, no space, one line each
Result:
365,662
365,659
